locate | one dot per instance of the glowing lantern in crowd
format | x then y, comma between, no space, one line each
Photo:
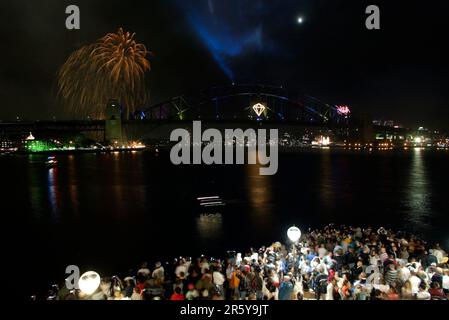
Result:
294,234
89,282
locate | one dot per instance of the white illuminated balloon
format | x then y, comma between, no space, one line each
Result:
294,234
89,282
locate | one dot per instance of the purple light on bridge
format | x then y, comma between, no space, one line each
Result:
343,110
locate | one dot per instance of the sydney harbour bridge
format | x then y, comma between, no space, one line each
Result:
237,103
233,106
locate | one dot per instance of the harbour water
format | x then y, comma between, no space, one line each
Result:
110,211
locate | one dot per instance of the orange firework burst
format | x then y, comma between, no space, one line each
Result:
112,68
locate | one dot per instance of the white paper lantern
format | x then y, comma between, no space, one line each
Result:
89,282
294,234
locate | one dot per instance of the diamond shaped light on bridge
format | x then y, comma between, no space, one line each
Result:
259,109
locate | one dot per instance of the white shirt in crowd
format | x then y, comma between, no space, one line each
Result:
219,278
417,266
439,255
136,296
158,273
315,263
229,272
144,271
181,268
255,256
383,257
322,252
423,295
373,260
329,292
446,282
238,259
415,281
328,260
404,274
204,267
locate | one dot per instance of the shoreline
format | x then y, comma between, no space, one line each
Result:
282,149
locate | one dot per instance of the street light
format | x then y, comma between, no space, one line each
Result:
89,282
294,234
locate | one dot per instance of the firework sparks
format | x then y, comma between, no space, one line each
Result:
112,68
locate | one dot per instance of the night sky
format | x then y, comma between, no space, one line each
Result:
400,72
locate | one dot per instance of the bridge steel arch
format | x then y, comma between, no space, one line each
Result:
235,102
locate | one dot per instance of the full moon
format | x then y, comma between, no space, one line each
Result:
300,20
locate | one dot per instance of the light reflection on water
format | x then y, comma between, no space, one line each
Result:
53,192
72,184
118,185
418,193
327,189
210,226
259,196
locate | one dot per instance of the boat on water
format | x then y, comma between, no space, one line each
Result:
214,201
51,162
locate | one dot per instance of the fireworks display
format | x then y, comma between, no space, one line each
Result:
114,67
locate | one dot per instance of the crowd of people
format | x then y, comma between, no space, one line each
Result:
334,263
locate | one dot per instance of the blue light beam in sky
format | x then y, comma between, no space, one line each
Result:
227,28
